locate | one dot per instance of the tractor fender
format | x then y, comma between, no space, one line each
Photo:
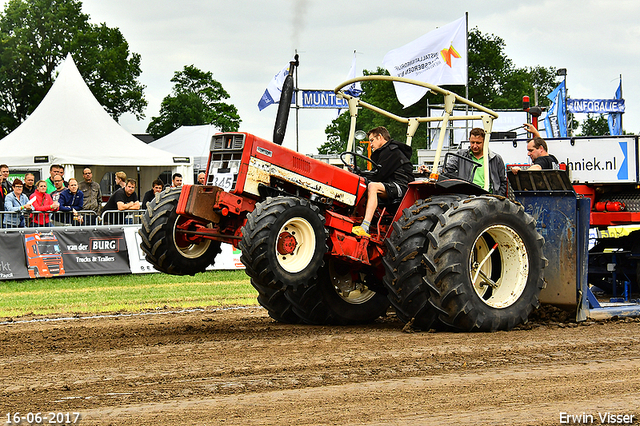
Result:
423,189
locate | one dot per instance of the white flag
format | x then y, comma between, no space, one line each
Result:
438,57
272,93
354,89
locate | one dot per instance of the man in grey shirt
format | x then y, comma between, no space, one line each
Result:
92,193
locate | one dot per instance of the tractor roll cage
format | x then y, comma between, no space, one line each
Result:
412,123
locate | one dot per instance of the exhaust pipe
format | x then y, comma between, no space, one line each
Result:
285,103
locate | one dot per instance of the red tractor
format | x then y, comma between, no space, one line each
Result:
450,255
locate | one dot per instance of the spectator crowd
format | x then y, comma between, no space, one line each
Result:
54,201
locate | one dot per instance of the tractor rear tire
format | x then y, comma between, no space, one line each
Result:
284,242
169,251
336,299
485,265
276,304
404,264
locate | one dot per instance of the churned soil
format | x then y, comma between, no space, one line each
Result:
239,367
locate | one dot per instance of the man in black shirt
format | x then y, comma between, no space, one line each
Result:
538,152
156,186
5,187
123,199
542,160
391,180
29,185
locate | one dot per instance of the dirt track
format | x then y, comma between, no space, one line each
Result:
240,367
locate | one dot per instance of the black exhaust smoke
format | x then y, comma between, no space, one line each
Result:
285,104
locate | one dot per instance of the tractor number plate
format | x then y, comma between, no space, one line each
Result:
223,180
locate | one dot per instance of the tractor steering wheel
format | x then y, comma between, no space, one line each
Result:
354,167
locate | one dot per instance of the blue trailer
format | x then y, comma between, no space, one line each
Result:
563,219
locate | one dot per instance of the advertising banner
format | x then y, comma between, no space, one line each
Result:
594,160
64,252
137,261
12,264
40,253
229,258
95,251
555,122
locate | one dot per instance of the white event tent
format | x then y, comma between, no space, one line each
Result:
191,141
72,129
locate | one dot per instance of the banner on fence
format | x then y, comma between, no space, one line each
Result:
229,258
51,252
95,251
137,261
12,260
72,252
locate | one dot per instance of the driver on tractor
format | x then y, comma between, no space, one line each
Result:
391,179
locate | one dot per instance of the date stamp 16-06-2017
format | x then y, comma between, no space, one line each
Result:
46,418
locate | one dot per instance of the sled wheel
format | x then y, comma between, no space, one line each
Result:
485,263
284,242
340,296
404,261
168,249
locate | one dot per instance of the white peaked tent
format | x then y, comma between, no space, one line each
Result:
190,141
71,128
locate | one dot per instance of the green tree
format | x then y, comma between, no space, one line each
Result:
493,82
197,99
595,125
488,68
110,70
36,36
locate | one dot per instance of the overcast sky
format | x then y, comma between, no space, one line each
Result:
244,43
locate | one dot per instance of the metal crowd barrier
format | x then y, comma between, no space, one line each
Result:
122,217
16,220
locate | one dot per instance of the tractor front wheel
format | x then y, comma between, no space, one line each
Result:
168,249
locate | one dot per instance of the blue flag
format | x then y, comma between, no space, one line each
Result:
354,89
555,122
615,119
272,94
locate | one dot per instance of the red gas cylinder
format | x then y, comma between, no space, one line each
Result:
610,206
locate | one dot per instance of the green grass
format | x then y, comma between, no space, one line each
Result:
124,293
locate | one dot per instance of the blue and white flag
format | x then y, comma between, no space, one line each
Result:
354,89
615,119
555,122
274,89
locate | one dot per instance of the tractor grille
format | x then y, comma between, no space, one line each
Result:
224,162
301,164
226,142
